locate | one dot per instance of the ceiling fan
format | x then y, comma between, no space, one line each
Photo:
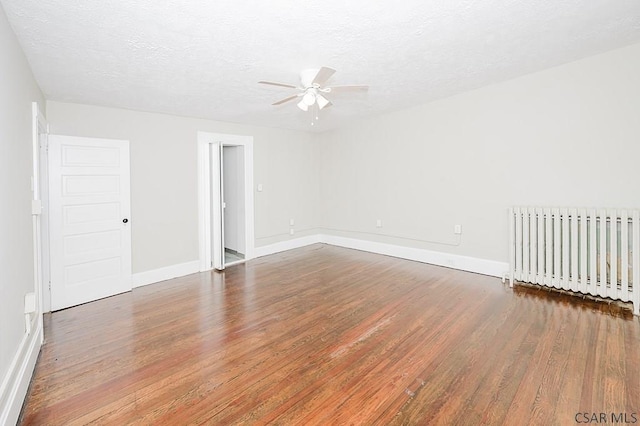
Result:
312,90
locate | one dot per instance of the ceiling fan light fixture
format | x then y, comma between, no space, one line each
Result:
303,106
322,101
309,98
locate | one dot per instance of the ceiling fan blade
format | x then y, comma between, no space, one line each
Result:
273,83
323,75
290,98
348,88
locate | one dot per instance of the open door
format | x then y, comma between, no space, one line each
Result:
217,206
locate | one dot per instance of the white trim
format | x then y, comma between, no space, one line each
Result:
38,125
455,261
204,194
287,245
161,274
216,211
16,382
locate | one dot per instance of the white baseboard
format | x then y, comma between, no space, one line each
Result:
161,274
464,263
16,382
287,245
166,273
455,261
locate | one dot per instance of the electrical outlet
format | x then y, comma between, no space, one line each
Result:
457,229
292,231
379,223
259,187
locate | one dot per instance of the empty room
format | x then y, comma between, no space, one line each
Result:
319,213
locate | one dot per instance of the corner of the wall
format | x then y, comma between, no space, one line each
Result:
286,245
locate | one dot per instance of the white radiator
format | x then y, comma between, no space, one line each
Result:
589,251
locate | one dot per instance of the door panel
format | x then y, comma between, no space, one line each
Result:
91,215
89,200
95,186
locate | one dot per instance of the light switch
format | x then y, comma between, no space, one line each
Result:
292,222
379,223
457,229
259,187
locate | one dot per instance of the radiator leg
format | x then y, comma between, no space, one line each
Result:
508,276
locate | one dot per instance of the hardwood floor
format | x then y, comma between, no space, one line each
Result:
326,335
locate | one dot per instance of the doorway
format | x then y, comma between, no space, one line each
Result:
225,180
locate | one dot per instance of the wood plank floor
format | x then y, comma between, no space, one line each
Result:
324,335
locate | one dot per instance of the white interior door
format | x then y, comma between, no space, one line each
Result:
89,206
217,209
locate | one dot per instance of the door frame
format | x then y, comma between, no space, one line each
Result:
216,158
206,194
39,183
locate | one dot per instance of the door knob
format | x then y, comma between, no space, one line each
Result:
125,220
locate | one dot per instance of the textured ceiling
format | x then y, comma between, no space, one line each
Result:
203,58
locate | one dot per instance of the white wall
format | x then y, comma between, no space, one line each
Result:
164,203
567,136
17,90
